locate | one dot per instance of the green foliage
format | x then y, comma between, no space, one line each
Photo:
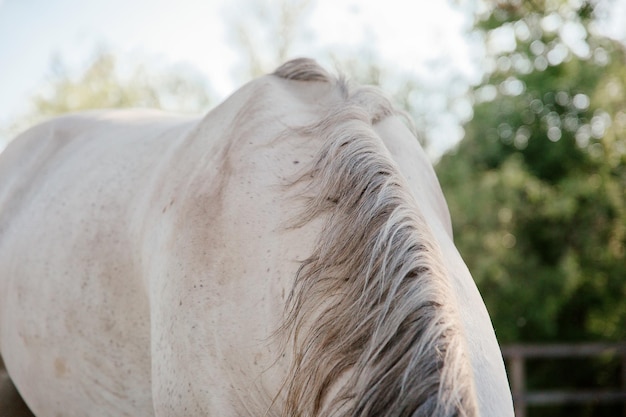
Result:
269,32
256,25
103,85
536,189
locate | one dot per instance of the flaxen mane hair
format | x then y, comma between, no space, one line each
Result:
371,314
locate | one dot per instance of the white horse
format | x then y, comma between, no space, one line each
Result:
290,254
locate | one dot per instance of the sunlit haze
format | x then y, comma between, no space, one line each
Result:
431,40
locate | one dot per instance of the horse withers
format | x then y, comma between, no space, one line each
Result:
289,254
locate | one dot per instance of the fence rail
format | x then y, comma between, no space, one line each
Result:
516,355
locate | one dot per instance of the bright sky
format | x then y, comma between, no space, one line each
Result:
193,33
425,38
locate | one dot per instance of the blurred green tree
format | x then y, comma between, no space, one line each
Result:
104,85
537,187
269,32
265,32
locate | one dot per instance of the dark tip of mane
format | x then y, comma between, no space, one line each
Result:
302,69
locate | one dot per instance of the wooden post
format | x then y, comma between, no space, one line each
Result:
515,356
518,384
623,356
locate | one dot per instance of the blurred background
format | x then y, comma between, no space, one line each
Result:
520,104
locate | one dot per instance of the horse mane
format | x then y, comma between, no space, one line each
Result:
371,314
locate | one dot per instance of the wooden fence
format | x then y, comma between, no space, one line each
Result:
516,355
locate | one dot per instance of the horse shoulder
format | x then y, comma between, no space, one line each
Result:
224,255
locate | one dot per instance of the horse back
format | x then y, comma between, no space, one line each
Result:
73,310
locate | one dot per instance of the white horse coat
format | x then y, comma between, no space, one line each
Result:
147,262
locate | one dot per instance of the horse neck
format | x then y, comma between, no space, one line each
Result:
492,389
372,304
